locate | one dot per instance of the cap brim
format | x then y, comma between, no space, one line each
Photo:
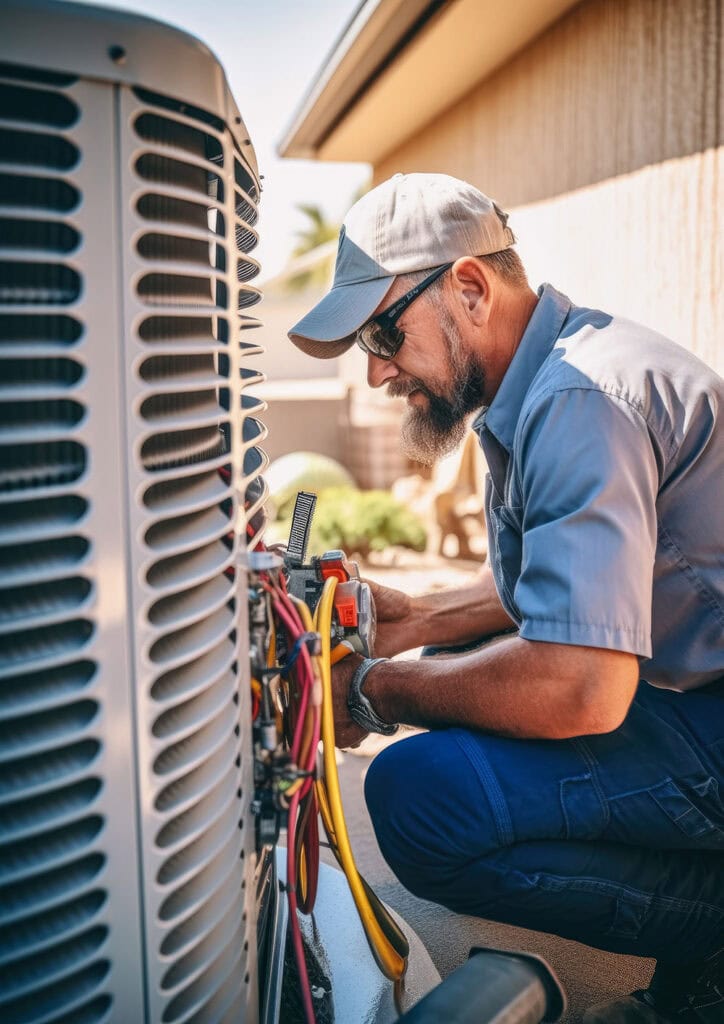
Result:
328,329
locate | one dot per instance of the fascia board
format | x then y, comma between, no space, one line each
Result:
464,44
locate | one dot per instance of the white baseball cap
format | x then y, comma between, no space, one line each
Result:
410,222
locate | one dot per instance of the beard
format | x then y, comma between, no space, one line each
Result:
429,434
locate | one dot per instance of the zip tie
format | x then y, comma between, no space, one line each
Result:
311,641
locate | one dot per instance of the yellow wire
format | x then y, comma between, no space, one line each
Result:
388,959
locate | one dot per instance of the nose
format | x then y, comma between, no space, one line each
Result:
380,371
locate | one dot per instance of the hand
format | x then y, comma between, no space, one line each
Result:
394,620
346,732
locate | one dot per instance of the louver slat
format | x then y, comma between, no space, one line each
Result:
187,393
51,895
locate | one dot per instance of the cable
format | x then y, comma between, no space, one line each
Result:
304,714
297,943
390,961
309,711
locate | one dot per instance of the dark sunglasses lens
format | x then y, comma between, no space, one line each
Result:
380,342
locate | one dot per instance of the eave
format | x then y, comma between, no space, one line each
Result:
401,63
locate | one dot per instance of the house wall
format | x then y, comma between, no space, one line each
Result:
604,140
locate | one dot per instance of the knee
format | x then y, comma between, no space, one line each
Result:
424,802
390,795
393,803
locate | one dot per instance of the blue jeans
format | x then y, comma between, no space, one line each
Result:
616,841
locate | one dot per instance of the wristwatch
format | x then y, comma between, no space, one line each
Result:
360,709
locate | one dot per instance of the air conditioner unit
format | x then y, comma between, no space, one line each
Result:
128,199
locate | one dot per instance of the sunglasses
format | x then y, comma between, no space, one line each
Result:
381,336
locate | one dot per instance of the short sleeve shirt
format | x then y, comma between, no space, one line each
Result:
605,496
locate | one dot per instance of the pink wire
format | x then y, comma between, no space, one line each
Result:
305,678
293,919
288,614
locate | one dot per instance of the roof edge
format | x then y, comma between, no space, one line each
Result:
401,63
377,32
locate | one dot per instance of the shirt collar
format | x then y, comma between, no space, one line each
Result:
539,337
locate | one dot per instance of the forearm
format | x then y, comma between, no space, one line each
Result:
452,617
514,688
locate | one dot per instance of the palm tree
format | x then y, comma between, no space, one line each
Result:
318,233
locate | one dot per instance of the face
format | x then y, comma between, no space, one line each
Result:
441,376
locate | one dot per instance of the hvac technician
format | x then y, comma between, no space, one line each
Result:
555,789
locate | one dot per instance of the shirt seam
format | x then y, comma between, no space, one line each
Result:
635,404
700,587
587,625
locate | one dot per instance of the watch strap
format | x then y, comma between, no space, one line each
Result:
360,710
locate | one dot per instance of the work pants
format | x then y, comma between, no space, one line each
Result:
616,841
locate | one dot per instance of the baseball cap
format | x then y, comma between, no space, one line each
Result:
410,222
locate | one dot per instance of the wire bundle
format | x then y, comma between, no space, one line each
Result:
387,941
302,698
306,693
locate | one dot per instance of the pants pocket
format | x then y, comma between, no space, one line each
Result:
584,812
684,813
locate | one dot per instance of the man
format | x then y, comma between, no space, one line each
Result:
569,780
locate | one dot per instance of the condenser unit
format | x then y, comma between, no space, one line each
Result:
128,445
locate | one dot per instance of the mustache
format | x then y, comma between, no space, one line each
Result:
402,388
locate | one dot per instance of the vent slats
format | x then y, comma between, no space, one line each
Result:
24,818
173,209
50,891
35,149
188,787
192,641
189,826
189,966
42,931
51,938
28,774
25,191
196,331
198,995
30,105
196,566
196,206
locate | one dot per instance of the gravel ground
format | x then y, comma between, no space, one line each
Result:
589,975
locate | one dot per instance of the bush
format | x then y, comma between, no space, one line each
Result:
359,522
363,521
302,471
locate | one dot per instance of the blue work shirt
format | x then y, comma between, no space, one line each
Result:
605,496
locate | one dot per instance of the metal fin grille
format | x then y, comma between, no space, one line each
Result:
246,196
192,279
52,938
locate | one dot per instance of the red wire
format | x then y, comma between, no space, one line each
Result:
288,616
305,678
293,920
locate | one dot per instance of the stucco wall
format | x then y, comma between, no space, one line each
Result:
605,138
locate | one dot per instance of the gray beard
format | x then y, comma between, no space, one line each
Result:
429,434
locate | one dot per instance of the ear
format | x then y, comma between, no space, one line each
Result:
472,284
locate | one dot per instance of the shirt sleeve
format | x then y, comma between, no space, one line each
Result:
589,480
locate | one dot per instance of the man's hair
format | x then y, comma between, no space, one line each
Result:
507,264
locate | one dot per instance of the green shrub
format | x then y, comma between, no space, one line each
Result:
359,522
302,471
